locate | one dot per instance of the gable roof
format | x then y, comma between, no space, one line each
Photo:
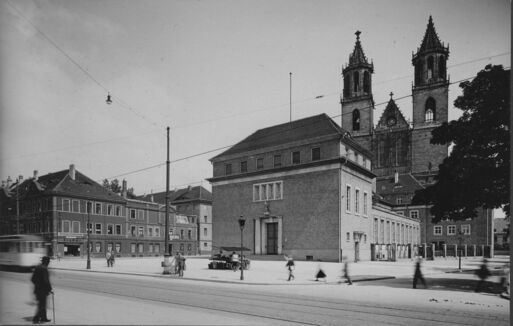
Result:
310,127
61,183
198,193
407,184
392,111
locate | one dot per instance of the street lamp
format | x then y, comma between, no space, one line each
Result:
460,238
88,205
166,264
242,221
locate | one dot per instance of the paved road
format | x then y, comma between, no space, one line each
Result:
211,303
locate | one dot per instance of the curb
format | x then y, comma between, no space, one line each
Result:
374,278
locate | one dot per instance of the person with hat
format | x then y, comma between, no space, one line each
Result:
42,288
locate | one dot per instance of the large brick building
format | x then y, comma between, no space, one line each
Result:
404,160
305,189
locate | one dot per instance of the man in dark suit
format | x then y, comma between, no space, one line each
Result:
42,288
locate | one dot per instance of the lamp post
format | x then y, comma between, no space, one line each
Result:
460,238
20,178
242,221
166,263
88,205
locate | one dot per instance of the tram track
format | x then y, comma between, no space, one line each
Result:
304,310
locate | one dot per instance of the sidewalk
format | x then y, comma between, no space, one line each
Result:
274,272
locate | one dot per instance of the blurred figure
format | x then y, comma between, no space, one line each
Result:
107,257
417,276
112,259
42,288
483,273
290,266
345,271
505,282
320,272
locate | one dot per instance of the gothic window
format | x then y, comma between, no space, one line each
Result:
441,67
430,67
430,110
356,81
346,86
418,72
356,119
366,82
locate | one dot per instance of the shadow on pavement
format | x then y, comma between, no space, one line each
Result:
448,284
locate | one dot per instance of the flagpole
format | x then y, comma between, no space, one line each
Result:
290,92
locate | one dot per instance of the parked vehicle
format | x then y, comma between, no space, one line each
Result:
21,251
222,261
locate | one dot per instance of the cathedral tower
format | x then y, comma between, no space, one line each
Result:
357,102
430,101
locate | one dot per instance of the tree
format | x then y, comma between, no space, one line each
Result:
115,187
476,173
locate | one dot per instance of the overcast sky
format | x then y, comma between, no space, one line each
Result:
214,71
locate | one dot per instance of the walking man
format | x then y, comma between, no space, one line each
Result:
107,256
42,288
290,266
418,275
483,273
346,271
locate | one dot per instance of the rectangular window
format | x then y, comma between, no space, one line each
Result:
156,248
132,213
414,214
399,200
98,228
277,161
393,233
260,163
181,234
65,205
150,231
140,214
348,198
110,229
109,246
243,167
118,210
98,247
118,228
76,227
228,169
189,234
189,247
118,247
205,232
157,232
205,244
109,209
150,248
140,232
132,230
316,154
465,228
76,206
348,236
278,190
357,201
365,204
132,248
65,226
98,208
451,229
267,191
296,157
140,246
437,230
263,192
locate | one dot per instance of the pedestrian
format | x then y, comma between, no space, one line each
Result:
112,259
42,288
417,276
320,272
290,266
177,263
483,272
181,265
345,271
107,257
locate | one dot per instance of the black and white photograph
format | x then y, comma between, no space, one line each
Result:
224,162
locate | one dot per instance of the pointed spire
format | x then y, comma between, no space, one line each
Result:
430,40
357,57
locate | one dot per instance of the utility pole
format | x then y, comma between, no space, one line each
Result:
88,206
166,233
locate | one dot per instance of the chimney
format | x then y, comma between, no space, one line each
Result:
396,177
72,171
123,189
35,175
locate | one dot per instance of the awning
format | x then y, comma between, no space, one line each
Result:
234,249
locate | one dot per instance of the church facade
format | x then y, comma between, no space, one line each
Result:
404,160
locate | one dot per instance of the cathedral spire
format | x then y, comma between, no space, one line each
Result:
357,57
431,41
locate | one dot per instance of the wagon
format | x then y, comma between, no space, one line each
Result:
221,261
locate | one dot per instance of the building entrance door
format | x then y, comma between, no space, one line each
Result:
71,250
356,251
272,238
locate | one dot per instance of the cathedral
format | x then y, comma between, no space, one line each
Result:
404,160
399,145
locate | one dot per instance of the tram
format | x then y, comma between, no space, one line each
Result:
21,251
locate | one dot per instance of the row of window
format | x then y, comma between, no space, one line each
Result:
277,161
451,229
95,208
395,232
268,191
357,201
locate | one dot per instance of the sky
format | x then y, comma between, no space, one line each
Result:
213,71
